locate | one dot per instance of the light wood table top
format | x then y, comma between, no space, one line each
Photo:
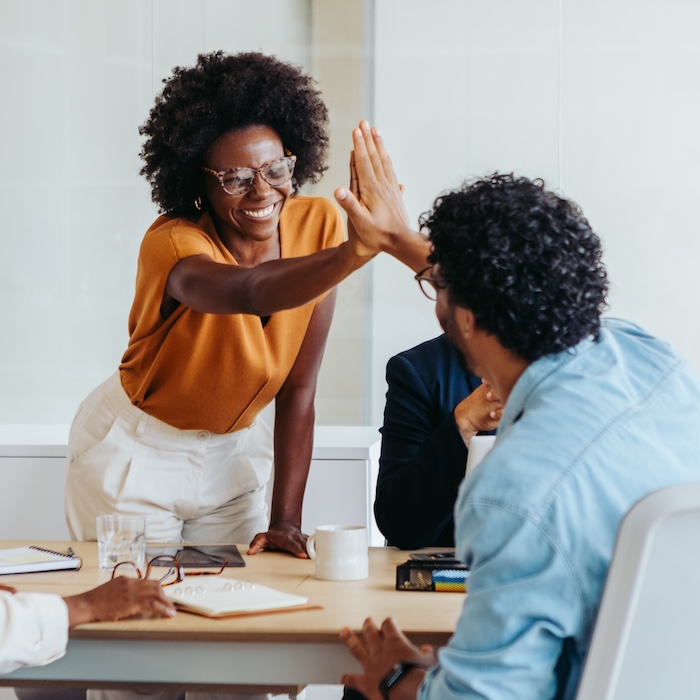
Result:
282,647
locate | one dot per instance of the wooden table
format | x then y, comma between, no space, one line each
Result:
286,649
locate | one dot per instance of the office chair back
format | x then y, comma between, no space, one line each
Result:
646,639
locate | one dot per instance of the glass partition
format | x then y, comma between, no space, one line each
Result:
599,98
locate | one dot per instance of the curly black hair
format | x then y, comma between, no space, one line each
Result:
524,261
221,93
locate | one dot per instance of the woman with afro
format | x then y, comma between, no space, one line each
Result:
233,303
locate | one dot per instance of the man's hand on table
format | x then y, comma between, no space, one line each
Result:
378,650
117,599
284,537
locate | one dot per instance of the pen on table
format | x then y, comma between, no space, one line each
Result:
71,553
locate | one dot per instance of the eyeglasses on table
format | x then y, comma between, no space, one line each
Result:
175,571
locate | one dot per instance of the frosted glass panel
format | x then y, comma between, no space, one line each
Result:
600,98
630,152
473,93
82,75
70,196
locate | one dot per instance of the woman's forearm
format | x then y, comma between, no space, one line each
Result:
291,282
294,430
272,286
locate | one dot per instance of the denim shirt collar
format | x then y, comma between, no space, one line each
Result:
535,375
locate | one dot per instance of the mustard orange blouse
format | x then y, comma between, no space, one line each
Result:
215,372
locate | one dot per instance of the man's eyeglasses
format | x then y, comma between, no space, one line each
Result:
429,285
175,572
240,180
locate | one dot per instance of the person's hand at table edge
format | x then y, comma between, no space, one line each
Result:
117,599
285,537
377,650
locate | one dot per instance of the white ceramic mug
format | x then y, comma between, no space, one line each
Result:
340,552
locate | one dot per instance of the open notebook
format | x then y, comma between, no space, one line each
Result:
219,596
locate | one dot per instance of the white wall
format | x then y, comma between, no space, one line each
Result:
600,98
77,78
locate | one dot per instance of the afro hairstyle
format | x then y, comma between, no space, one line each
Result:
221,93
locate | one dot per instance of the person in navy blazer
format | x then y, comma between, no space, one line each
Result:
433,408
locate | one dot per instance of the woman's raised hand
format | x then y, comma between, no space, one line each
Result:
374,201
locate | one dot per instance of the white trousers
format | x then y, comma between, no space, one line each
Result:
192,485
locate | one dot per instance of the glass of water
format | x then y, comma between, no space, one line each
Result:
121,538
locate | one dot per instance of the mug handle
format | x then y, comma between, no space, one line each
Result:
311,546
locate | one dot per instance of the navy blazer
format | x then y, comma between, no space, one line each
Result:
423,456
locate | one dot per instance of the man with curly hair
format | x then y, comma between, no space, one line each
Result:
597,414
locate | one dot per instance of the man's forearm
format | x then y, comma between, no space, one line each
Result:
411,248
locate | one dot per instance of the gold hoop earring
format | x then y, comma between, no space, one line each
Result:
198,202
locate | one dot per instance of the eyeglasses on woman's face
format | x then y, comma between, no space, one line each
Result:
237,181
429,285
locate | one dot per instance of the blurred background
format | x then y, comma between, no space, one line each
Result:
601,99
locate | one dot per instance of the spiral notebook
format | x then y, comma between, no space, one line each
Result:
28,560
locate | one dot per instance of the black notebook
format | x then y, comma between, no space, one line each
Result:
193,555
28,560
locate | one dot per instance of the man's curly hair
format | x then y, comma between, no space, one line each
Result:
524,260
221,93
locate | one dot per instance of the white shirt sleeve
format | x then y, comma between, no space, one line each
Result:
33,629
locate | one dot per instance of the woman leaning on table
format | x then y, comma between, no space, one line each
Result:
231,311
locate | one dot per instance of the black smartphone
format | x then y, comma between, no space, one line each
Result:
438,557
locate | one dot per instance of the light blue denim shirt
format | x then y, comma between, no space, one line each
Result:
584,435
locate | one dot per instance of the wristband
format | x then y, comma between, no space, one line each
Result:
397,673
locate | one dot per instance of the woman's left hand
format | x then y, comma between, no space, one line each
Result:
281,536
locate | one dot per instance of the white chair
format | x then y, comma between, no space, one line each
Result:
646,640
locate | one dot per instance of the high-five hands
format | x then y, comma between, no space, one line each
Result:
377,219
